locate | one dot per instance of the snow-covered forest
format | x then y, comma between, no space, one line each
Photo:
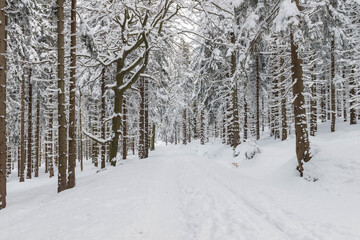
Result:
180,119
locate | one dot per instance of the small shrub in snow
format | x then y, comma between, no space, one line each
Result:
247,150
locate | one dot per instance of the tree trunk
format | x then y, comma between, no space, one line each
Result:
284,126
224,127
302,139
313,102
352,96
152,146
184,127
332,86
72,108
95,130
29,138
235,111
125,130
3,144
257,63
344,94
22,144
141,146
246,113
116,120
62,136
37,160
189,129
81,135
202,127
146,112
103,116
51,137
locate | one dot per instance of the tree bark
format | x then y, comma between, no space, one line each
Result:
284,126
152,145
51,137
246,113
29,138
62,135
103,116
141,150
146,112
125,130
257,66
3,143
202,127
235,111
352,96
37,159
22,144
344,94
184,128
313,103
302,139
81,135
72,109
332,86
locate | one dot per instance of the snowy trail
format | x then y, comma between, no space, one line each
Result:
173,195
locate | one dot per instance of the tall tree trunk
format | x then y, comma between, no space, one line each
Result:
202,127
146,112
257,69
189,129
72,108
323,101
224,126
22,144
195,123
125,130
62,136
95,130
344,95
275,100
184,127
313,102
228,120
302,139
235,109
81,135
37,136
246,112
29,139
103,116
152,145
332,85
116,120
3,144
51,137
352,96
141,151
284,126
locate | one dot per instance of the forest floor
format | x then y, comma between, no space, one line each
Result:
195,192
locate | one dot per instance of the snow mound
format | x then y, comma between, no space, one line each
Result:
247,150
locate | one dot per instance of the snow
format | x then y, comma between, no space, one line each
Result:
195,192
286,16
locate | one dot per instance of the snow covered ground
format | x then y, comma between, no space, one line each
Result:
196,192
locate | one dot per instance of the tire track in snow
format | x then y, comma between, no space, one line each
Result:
286,222
215,213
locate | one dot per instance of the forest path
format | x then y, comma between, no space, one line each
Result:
175,194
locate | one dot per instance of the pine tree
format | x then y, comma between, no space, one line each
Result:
72,110
3,67
62,132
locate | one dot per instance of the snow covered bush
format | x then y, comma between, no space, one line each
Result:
247,150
